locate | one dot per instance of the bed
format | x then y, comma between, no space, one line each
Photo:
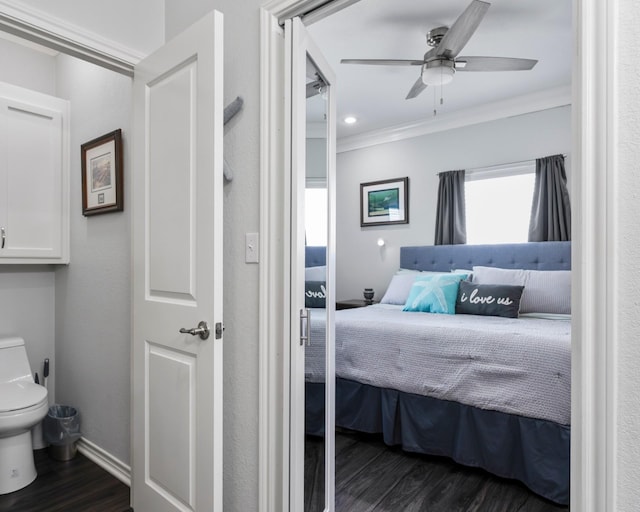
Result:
486,391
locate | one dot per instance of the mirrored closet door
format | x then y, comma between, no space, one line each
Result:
313,282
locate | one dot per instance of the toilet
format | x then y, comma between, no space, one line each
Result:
23,404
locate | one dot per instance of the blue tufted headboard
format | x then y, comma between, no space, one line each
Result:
315,256
532,255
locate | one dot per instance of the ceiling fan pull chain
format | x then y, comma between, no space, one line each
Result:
434,102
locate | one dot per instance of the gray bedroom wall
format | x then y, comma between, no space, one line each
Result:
27,298
93,291
241,215
360,262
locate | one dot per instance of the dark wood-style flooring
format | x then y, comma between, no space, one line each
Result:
370,476
373,477
77,485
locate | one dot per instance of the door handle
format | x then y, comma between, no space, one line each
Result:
202,330
305,327
4,237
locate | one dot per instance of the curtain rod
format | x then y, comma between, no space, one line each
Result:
489,167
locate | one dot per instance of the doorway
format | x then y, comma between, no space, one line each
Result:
589,365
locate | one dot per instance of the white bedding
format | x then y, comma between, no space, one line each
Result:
514,365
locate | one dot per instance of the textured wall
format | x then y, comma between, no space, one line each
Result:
360,262
27,299
627,200
27,67
241,215
93,292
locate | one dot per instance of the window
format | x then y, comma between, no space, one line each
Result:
315,223
498,204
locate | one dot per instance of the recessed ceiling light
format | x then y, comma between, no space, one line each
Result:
350,120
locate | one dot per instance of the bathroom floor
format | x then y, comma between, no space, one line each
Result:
77,485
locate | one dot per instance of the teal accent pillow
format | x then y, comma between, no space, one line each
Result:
434,293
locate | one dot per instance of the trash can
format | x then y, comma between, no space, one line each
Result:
62,430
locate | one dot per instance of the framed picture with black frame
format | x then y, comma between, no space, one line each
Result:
384,202
102,182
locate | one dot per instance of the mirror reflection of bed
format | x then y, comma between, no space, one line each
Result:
485,391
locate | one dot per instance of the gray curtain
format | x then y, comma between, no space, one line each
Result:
551,209
451,222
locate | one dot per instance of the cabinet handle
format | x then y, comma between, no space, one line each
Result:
4,237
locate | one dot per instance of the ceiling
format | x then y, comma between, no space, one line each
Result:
384,29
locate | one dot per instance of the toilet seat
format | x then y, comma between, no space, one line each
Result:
17,396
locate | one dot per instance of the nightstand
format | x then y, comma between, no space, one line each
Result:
352,303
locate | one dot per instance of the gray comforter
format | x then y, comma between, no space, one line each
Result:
519,366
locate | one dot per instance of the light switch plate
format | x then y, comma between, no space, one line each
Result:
252,248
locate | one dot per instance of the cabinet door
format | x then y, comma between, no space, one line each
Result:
34,206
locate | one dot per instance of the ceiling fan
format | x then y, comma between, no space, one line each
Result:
441,62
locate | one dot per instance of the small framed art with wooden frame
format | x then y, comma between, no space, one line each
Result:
102,182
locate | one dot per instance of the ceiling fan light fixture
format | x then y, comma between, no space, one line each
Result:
438,72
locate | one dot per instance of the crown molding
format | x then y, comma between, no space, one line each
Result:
544,100
51,32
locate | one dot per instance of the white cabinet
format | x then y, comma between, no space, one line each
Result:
34,177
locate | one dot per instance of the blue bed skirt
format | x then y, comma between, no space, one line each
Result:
536,452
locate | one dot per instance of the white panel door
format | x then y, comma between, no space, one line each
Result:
177,199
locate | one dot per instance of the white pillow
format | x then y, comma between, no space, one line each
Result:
545,291
400,285
315,273
463,271
399,288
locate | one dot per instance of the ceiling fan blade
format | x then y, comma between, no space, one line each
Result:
384,62
493,64
417,88
462,29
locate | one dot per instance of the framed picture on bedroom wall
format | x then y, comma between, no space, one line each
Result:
384,202
102,182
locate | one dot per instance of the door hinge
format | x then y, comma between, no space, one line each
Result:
219,330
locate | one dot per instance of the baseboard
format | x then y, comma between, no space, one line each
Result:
105,460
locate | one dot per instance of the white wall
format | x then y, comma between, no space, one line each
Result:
241,215
360,262
27,299
626,191
27,67
93,291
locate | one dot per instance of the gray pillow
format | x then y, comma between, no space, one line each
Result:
545,291
315,273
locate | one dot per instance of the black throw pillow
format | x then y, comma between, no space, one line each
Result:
488,299
315,293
